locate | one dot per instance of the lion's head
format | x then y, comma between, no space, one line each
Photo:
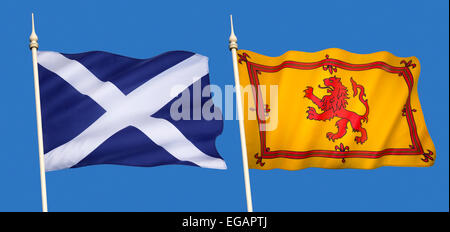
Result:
337,99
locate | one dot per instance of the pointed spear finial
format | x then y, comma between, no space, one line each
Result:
33,36
233,39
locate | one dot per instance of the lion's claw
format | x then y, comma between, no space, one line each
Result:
359,140
331,136
312,114
308,92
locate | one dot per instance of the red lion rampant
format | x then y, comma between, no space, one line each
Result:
334,105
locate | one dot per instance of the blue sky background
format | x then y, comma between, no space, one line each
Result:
144,29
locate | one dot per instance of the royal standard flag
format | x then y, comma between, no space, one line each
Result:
333,109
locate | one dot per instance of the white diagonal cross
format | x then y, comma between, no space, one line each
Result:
133,109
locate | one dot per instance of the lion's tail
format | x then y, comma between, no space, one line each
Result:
362,94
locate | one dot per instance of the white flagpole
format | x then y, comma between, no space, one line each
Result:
233,47
34,46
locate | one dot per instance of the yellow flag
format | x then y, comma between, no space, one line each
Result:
333,109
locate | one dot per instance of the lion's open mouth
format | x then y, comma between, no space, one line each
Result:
330,88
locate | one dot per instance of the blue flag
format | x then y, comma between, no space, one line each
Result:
102,108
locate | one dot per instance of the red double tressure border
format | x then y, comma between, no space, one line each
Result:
331,65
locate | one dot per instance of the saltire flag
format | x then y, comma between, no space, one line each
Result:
333,109
102,108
